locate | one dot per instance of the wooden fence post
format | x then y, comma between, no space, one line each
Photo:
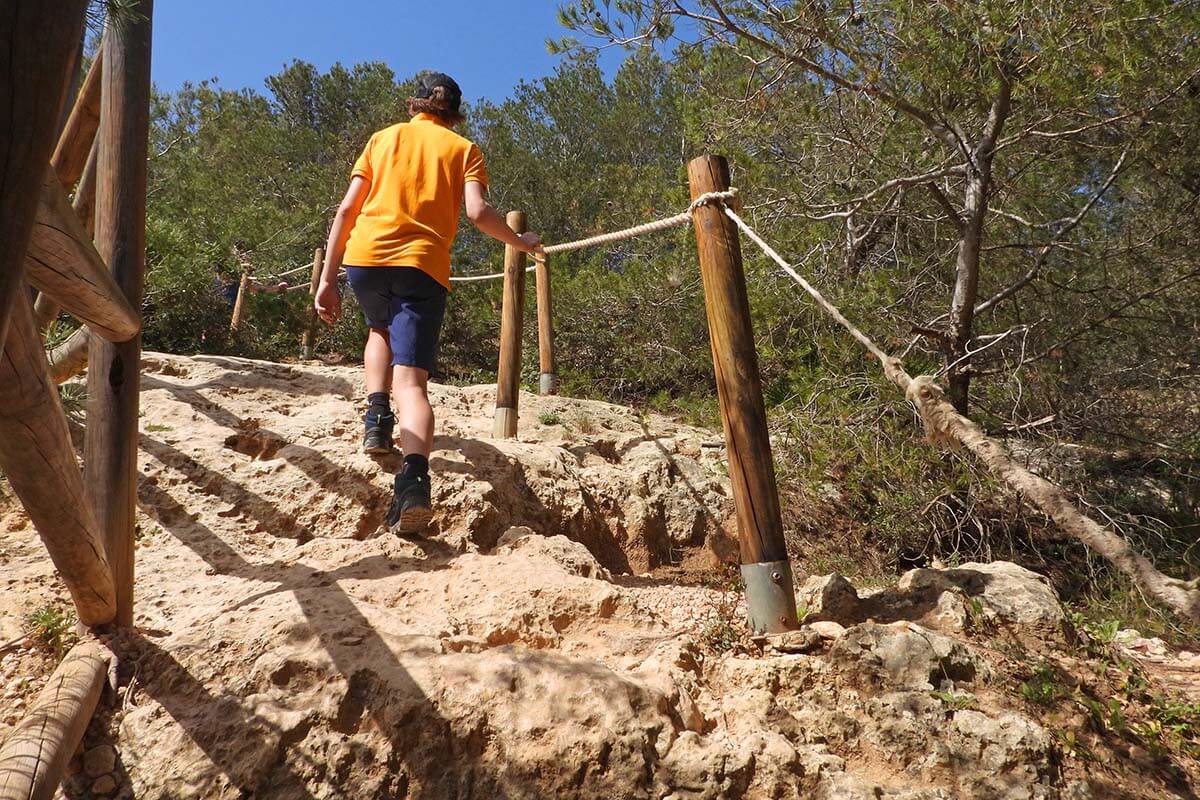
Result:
39,40
547,379
240,303
114,379
508,381
310,332
770,598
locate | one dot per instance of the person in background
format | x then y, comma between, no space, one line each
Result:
393,232
227,286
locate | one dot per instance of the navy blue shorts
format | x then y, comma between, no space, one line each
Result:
408,304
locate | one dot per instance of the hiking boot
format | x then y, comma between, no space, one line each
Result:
411,507
378,436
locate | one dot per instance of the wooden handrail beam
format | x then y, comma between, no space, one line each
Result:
63,263
35,754
70,358
71,153
84,204
37,456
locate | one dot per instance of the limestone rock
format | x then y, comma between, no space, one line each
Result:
905,725
287,649
830,597
1005,757
1012,594
99,760
572,556
803,640
904,656
849,787
827,629
950,614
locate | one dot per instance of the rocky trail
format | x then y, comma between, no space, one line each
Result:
540,642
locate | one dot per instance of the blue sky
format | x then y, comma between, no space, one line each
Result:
487,46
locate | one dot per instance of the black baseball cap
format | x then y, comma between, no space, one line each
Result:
431,80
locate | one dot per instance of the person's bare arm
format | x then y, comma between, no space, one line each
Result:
327,301
487,219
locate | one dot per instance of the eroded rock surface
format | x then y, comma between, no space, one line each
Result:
285,649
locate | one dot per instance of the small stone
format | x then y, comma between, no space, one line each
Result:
827,629
1078,790
692,719
950,615
831,597
104,785
463,643
99,760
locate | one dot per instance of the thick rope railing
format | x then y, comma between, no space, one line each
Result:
667,223
944,425
679,220
829,307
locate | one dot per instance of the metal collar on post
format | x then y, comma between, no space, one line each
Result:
770,597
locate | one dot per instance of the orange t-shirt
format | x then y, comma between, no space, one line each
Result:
417,171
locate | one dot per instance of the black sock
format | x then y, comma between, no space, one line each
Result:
378,405
415,466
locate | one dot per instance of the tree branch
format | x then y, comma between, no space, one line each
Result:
1044,253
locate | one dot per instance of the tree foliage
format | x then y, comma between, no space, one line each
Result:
1004,192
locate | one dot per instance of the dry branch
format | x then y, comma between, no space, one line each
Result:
946,426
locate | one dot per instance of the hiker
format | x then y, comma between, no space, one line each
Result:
393,232
226,286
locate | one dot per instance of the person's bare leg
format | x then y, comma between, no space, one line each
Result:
411,506
377,363
377,359
414,414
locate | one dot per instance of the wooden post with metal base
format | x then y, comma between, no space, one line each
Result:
508,379
770,598
310,333
239,304
547,379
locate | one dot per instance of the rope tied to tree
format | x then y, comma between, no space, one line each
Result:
946,427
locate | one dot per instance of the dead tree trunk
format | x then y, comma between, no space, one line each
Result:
966,270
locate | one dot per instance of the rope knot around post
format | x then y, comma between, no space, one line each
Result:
730,196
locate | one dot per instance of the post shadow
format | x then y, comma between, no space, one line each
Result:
329,612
